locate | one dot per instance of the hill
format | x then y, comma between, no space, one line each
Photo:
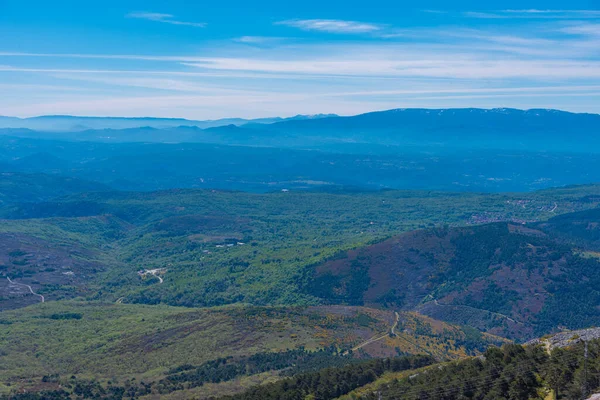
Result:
512,280
263,169
228,247
269,286
581,228
510,372
154,344
17,188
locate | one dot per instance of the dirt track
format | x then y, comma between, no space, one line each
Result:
28,287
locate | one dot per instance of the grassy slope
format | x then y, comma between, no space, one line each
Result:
119,341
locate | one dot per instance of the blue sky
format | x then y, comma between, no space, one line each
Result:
218,59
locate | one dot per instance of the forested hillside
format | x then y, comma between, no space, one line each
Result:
154,285
512,280
581,228
510,372
213,247
18,188
145,165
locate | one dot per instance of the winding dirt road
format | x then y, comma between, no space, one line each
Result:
437,303
28,287
377,338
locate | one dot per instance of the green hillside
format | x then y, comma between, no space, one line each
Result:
205,293
118,342
511,372
512,280
18,188
215,248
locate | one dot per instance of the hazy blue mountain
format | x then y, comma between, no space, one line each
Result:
42,161
29,188
459,149
467,128
152,166
69,123
377,132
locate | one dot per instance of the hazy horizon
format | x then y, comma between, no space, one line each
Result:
282,116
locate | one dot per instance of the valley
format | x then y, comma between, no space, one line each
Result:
136,284
300,200
224,269
225,247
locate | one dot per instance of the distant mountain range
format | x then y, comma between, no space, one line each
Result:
529,130
70,123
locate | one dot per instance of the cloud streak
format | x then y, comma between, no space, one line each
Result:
592,30
432,66
554,64
331,25
534,14
260,41
164,18
218,105
379,61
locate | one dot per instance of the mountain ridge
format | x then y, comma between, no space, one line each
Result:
434,129
75,123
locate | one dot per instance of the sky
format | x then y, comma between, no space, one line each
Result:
221,58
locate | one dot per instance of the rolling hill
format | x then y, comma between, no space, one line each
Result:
511,280
205,292
18,188
161,345
228,247
183,293
263,169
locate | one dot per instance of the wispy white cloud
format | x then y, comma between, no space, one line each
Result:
433,66
160,83
260,40
39,87
551,63
583,29
432,11
101,56
252,39
377,60
165,18
331,25
534,14
499,96
538,11
265,104
198,85
539,90
484,15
